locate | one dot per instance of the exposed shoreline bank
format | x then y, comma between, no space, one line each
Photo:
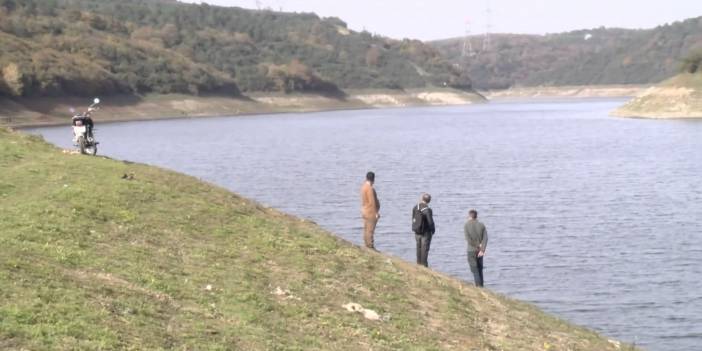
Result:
677,98
42,112
56,111
571,91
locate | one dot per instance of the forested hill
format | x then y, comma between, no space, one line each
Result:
87,47
584,57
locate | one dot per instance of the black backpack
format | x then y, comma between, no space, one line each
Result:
419,220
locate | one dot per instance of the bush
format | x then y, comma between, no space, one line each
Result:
692,63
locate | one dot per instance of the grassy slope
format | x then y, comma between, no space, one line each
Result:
89,260
677,97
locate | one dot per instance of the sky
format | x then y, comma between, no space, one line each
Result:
439,19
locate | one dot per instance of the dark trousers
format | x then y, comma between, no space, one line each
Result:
423,243
476,267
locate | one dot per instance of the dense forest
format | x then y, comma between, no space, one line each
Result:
584,57
87,47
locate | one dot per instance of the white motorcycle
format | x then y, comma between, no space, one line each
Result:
83,136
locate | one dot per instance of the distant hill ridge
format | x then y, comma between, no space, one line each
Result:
583,57
87,47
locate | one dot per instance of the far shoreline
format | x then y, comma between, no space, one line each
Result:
189,117
566,92
47,112
52,112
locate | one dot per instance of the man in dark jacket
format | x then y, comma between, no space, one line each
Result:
476,237
423,231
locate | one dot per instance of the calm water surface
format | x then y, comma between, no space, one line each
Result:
593,218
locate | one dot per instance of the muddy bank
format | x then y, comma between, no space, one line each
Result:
579,91
679,97
53,111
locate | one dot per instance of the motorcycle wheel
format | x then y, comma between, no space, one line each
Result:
91,150
82,144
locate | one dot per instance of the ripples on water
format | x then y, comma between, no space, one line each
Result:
593,218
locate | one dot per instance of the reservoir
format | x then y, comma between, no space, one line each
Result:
593,218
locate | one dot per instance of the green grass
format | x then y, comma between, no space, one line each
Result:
91,261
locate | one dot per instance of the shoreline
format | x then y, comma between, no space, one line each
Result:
52,111
46,112
187,117
567,91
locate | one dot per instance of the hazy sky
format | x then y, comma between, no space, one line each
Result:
437,19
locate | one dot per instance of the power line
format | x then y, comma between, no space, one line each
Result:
488,26
467,45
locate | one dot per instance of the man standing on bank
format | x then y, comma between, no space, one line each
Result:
423,228
370,210
476,237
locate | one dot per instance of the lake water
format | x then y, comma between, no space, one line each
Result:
593,218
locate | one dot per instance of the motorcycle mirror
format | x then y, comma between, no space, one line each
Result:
97,101
72,110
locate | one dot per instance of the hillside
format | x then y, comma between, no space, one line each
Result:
136,47
127,256
678,97
607,56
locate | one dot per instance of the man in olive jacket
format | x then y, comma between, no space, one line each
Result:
476,237
425,230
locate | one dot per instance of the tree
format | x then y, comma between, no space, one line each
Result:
13,77
170,35
8,5
692,63
373,56
30,8
74,15
97,22
48,7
